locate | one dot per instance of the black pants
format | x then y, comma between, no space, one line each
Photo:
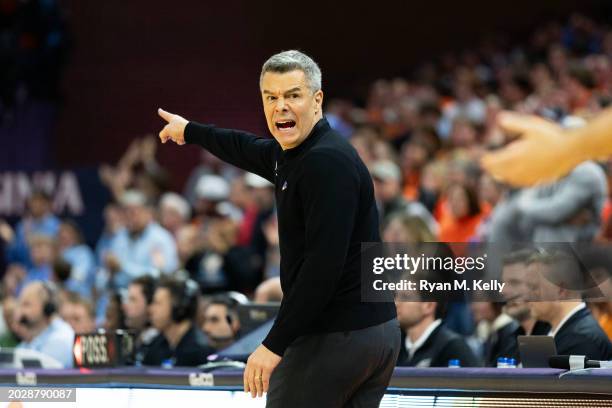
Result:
340,369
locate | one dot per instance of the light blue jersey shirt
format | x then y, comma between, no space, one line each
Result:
55,341
83,269
153,253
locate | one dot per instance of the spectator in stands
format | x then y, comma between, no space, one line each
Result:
11,334
113,224
79,313
261,192
464,214
501,330
407,229
211,191
568,210
114,318
242,199
490,193
556,300
222,265
39,221
209,164
221,324
6,235
172,312
426,342
136,310
189,243
388,193
43,329
137,169
73,250
42,254
505,225
143,248
271,268
174,212
269,290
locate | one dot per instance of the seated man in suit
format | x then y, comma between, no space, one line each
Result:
501,328
426,342
556,300
515,291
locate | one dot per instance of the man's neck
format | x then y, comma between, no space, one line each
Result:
38,218
416,331
137,233
175,332
35,331
563,308
528,325
316,120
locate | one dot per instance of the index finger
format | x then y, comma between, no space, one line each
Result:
167,116
521,123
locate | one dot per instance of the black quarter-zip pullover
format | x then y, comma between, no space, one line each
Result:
326,209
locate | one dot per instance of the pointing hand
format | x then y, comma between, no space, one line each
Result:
174,129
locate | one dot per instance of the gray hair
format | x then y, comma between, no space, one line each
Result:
287,61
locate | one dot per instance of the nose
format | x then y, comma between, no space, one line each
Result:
281,106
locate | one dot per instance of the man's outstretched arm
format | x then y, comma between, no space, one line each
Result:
244,150
545,152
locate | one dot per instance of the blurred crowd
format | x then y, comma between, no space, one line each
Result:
172,266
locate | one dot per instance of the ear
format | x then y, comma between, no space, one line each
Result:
318,99
428,308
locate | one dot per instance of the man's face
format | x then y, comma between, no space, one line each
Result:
409,314
38,206
78,318
160,310
66,236
30,309
42,251
136,217
386,190
135,308
515,291
215,322
541,292
290,106
396,232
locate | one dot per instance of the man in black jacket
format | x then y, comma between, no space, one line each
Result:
180,342
426,342
327,347
516,291
556,300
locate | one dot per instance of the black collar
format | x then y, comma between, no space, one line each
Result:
579,315
321,127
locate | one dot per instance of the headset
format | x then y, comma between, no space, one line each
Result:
185,300
50,305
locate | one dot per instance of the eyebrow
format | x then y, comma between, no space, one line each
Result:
297,88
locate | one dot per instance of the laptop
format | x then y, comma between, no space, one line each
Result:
253,315
242,348
536,350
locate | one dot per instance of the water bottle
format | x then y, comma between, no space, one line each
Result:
502,362
454,363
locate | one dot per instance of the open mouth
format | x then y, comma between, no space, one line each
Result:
285,124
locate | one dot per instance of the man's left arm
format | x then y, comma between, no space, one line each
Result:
330,192
575,191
